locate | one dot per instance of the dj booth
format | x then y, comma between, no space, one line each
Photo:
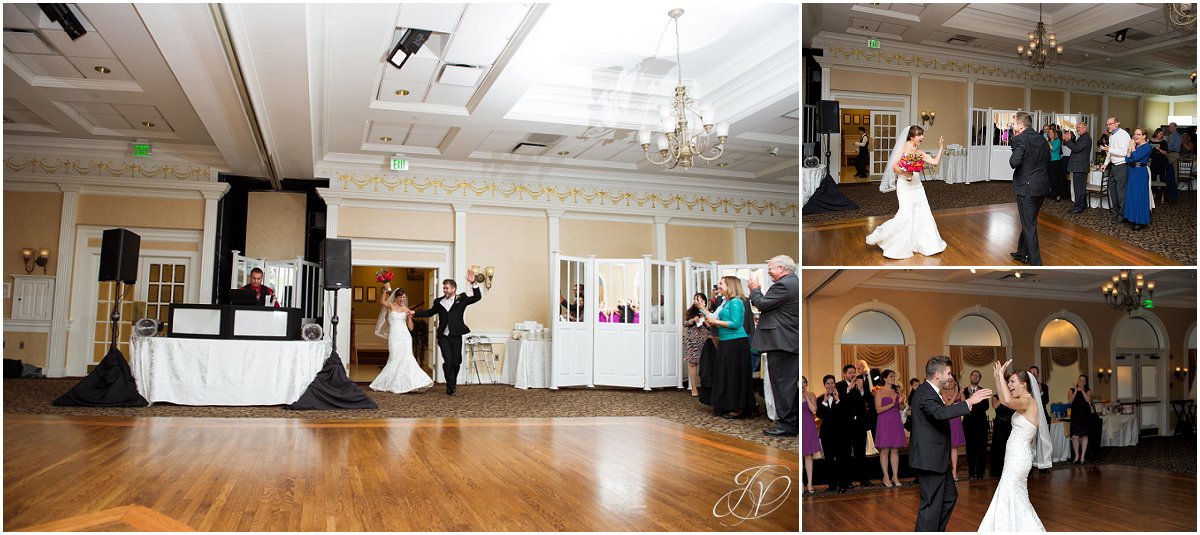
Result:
227,355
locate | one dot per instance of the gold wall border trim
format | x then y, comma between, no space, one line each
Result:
573,196
1071,82
105,169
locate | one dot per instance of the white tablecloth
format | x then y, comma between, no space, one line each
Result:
810,179
528,363
1119,430
954,168
224,372
1060,441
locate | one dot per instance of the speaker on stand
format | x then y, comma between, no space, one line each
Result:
827,198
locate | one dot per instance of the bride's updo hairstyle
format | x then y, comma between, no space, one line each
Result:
1023,378
397,293
914,131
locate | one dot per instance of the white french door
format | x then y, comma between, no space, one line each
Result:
571,354
1140,378
1002,134
619,343
884,125
979,149
663,320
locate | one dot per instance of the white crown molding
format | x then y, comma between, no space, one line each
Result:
74,148
1026,293
127,187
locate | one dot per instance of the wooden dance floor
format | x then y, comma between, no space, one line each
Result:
1084,498
976,236
438,474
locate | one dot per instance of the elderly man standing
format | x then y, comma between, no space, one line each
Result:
1118,149
778,336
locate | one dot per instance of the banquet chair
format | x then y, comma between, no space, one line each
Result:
480,350
1097,190
1187,171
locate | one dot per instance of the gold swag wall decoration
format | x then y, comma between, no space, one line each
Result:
105,169
577,196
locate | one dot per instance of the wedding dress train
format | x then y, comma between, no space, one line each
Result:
1010,509
402,373
913,228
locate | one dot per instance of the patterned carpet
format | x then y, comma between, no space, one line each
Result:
34,396
1172,230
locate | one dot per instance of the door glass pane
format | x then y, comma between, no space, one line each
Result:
1125,382
179,273
154,274
1149,382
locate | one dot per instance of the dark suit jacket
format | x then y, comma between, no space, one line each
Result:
835,420
779,324
860,408
1029,159
978,416
930,445
452,317
1081,153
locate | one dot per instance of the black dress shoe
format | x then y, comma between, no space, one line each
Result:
777,432
1024,259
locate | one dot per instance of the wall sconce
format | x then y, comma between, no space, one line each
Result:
38,257
1103,376
1180,373
484,275
928,117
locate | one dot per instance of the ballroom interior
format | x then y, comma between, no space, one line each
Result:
527,141
955,70
1137,350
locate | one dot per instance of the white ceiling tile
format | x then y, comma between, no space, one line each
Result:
396,131
415,70
505,135
160,124
435,17
472,49
893,29
55,66
140,110
13,18
429,130
94,107
416,91
25,43
449,95
13,104
91,45
106,120
423,141
497,20
24,117
88,67
495,145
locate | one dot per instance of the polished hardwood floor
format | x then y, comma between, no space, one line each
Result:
975,236
443,474
1081,498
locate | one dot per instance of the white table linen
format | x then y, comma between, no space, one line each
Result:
224,372
810,180
1060,441
528,363
954,167
1119,430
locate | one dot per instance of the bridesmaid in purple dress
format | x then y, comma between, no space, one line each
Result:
889,431
812,442
957,437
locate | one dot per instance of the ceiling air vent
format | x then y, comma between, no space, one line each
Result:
960,40
529,149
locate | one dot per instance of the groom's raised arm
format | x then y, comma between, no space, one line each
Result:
475,296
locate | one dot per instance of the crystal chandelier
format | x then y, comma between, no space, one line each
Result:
677,144
1127,291
1042,50
1180,16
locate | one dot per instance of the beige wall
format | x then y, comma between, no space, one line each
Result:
1186,108
1003,97
702,244
1087,103
930,315
275,225
948,99
34,350
119,211
873,82
1046,100
518,248
395,224
1124,109
1156,114
605,239
31,220
762,245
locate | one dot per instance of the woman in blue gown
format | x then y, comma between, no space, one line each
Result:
1137,185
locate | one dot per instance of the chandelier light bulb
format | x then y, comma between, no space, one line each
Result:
643,137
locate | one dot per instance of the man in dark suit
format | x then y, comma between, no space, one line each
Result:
778,335
929,448
859,400
975,427
451,328
1031,183
835,421
1079,164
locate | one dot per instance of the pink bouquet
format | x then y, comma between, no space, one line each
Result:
383,275
913,163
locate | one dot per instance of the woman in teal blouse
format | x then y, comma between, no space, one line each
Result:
1055,169
732,391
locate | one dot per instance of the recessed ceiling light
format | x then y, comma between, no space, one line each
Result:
402,92
102,69
563,153
147,124
385,138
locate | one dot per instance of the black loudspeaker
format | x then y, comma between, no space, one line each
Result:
119,255
831,117
335,258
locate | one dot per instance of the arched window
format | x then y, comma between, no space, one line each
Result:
975,343
1063,357
875,337
1137,333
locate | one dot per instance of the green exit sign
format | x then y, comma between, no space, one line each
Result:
399,164
141,150
872,43
1147,303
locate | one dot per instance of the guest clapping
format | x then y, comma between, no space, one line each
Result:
694,338
812,443
733,390
835,440
1080,398
889,431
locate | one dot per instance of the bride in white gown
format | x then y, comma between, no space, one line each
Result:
401,374
1028,446
912,229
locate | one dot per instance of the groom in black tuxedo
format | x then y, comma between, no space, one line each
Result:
929,448
451,328
1031,183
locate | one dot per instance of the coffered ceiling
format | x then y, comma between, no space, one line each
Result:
303,90
1153,50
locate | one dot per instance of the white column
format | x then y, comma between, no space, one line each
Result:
553,217
916,112
970,110
552,240
1103,110
208,243
460,242
56,351
1067,100
331,217
1028,99
825,83
660,237
739,242
1141,118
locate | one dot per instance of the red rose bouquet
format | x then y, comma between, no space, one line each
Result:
913,163
383,275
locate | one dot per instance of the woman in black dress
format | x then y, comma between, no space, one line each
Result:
1001,428
1081,412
